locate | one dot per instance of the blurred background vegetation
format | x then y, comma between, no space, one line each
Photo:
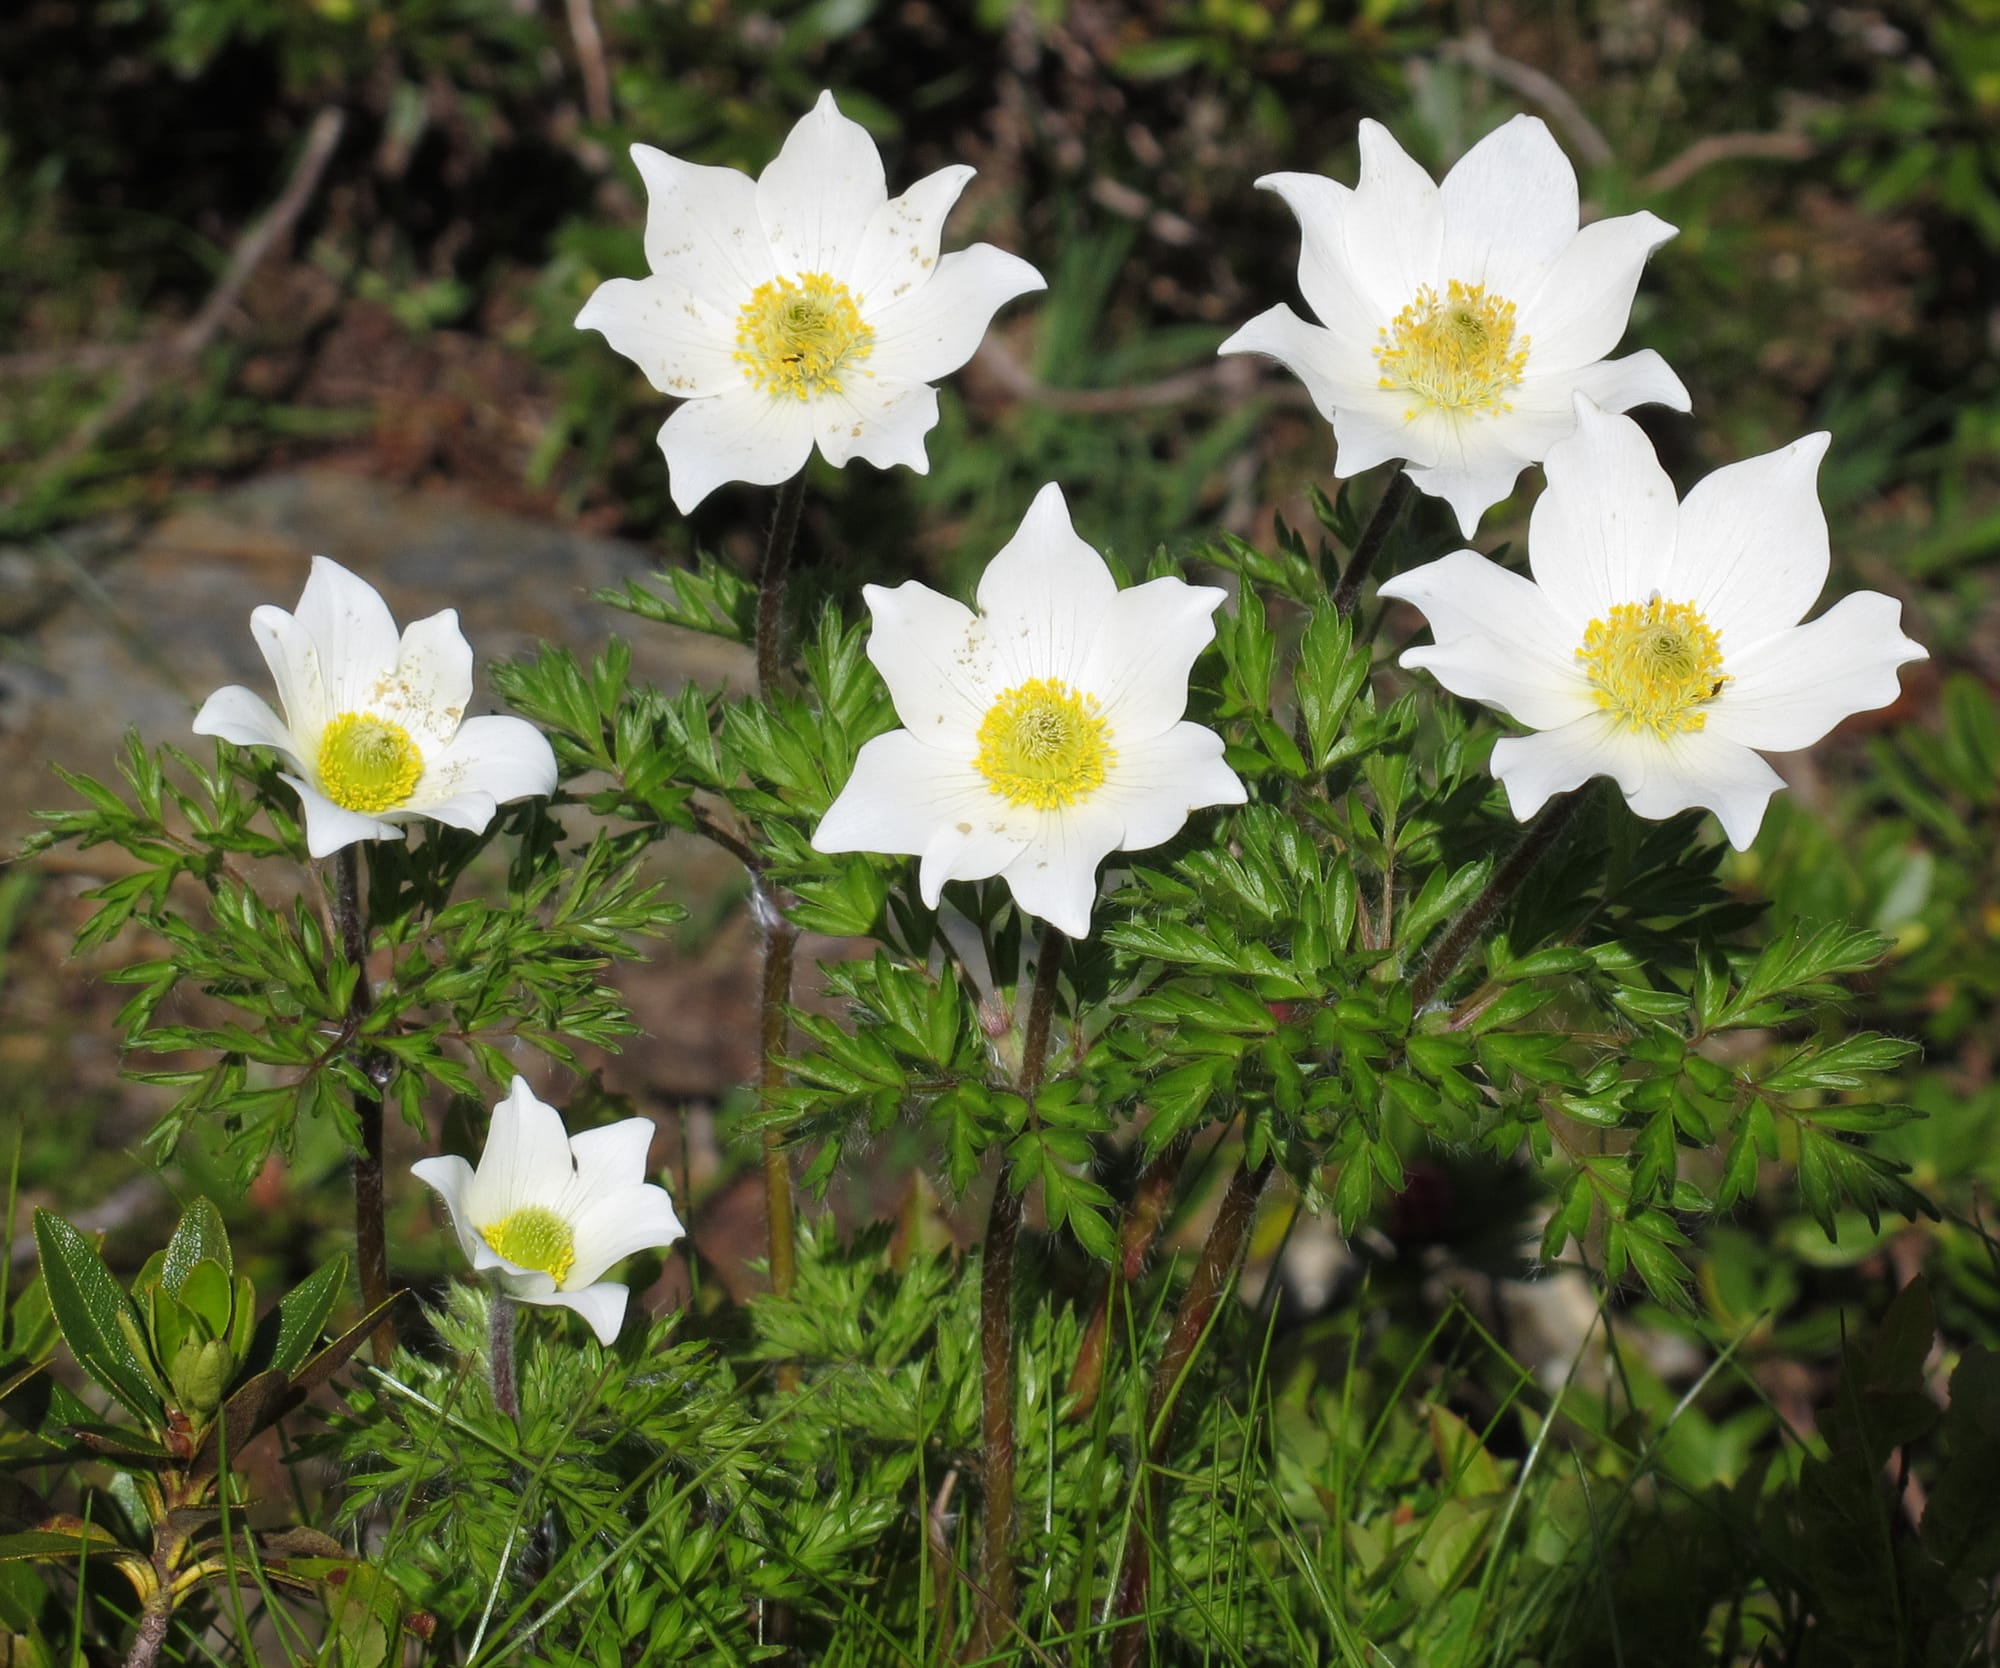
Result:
239,235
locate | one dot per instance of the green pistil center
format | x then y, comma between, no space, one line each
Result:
534,1237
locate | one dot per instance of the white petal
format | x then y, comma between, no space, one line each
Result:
526,1161
1641,378
904,797
433,679
702,231
1535,768
1790,689
1753,544
1658,777
1394,225
1544,407
1147,642
744,435
503,759
1337,376
1365,437
878,419
235,714
974,848
820,191
898,248
1055,875
602,1305
613,1158
1155,784
1604,530
618,1224
1585,303
1326,277
347,621
449,1177
1707,769
295,669
1497,640
937,326
936,656
685,346
1510,208
330,826
1044,596
1465,460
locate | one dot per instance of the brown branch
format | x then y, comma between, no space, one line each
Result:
148,364
1136,1233
1211,1276
1234,378
590,59
1476,52
1725,147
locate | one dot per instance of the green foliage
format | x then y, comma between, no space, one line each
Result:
470,973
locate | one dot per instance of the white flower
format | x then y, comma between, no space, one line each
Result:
375,727
1457,321
805,308
1659,642
548,1212
1041,733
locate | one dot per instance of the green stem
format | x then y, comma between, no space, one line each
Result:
996,1330
1542,836
1204,1289
371,1240
1388,511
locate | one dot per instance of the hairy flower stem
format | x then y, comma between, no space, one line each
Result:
371,1242
1388,511
780,937
996,1331
771,582
781,940
1143,1217
502,1322
1204,1289
1543,835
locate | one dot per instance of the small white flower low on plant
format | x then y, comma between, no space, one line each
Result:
805,308
1658,642
546,1213
1457,321
1042,732
374,725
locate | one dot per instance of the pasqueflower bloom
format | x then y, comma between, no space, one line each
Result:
1042,732
547,1212
806,308
1457,321
1659,643
374,726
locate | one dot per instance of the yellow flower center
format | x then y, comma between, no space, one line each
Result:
1655,664
797,338
534,1237
1458,354
367,764
1044,744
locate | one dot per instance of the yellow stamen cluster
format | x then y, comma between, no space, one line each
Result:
1458,354
797,337
1655,664
534,1237
1044,744
367,764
